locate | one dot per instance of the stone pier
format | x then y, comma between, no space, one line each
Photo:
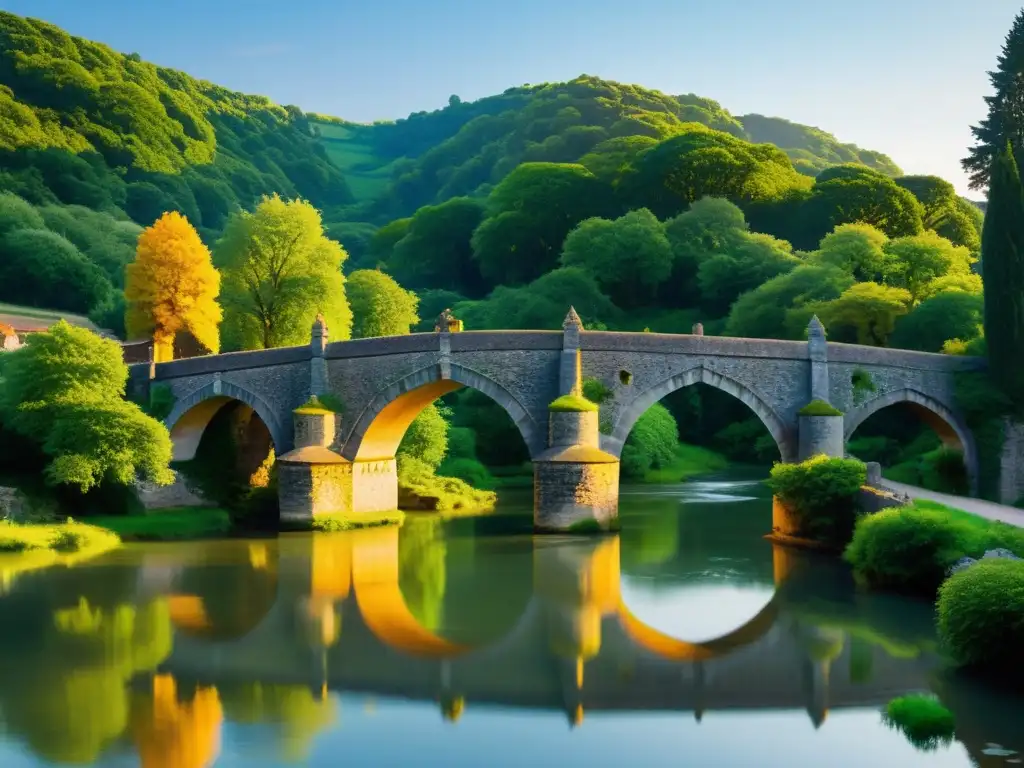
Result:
575,483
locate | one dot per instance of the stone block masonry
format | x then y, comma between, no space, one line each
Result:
384,382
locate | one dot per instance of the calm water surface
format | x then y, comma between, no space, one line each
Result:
687,641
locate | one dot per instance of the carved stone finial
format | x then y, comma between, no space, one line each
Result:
572,320
698,329
318,337
815,329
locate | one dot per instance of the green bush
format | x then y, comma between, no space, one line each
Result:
596,391
819,408
572,404
981,618
652,443
823,494
922,719
468,470
909,549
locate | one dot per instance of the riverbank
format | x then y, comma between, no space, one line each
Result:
986,509
33,546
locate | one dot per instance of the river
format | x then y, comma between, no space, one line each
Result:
686,640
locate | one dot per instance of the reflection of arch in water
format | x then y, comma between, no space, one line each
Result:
947,425
700,374
602,580
229,598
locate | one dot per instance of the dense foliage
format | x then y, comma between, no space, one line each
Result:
87,125
64,393
380,306
279,272
822,493
981,618
910,549
172,287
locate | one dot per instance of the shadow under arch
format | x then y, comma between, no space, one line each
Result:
950,428
700,374
384,421
191,415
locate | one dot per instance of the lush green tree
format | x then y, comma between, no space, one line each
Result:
965,283
711,225
529,215
855,194
380,306
1002,259
384,240
542,304
914,262
1005,120
43,269
745,264
857,249
437,252
629,257
427,437
16,214
612,158
702,162
279,271
762,313
651,443
961,225
869,310
937,196
64,391
936,320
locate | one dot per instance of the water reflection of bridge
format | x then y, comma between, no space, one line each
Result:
339,620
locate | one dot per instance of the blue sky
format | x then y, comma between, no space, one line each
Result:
905,77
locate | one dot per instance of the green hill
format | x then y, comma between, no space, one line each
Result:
468,147
83,124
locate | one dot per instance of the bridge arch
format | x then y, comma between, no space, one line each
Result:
192,414
384,421
628,416
950,428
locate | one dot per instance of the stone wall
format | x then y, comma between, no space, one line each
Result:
1011,463
567,494
177,494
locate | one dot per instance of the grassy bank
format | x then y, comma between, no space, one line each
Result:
172,524
351,522
30,547
689,461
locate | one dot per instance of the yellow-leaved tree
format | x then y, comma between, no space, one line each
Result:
172,286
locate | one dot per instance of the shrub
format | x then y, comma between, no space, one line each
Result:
572,404
819,408
909,549
468,470
922,719
981,617
823,493
652,442
596,391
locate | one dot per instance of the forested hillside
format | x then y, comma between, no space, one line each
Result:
467,147
81,124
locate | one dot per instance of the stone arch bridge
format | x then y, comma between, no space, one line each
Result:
345,461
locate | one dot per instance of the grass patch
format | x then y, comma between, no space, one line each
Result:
819,408
572,404
31,546
922,719
345,521
909,549
172,524
326,403
689,461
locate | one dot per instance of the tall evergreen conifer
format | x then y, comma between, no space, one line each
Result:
1005,121
1002,254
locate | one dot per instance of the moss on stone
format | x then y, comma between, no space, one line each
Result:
819,408
572,404
320,405
592,526
350,521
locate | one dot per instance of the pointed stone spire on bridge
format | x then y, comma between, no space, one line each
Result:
817,353
319,336
570,375
572,320
815,330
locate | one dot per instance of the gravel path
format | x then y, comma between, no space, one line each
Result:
978,507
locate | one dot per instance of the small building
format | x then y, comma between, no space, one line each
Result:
9,340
